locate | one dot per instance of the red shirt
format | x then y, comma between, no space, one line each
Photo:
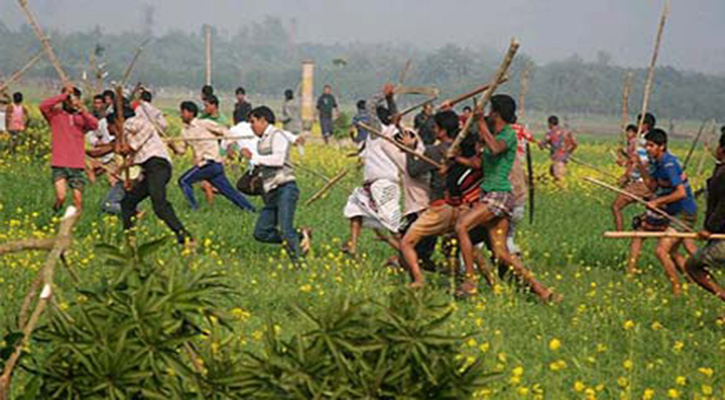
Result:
69,131
522,136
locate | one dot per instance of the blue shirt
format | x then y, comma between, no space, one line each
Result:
668,173
362,134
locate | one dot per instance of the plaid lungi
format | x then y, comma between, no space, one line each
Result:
501,204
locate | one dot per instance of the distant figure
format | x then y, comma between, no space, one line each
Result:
357,134
206,91
16,120
109,98
242,107
290,113
425,125
327,111
561,144
467,111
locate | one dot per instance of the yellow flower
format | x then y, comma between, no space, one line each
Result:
579,386
678,346
681,380
656,326
306,288
518,371
557,365
649,394
707,390
622,381
706,371
523,391
484,347
628,325
554,344
628,364
673,394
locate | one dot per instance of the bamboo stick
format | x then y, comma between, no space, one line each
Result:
591,166
653,63
327,187
207,36
399,145
695,140
45,42
493,85
181,139
679,235
642,201
524,90
19,73
626,92
136,55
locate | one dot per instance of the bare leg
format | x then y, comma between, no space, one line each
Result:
664,246
635,249
697,270
690,246
484,267
355,228
478,215
78,199
619,204
61,191
410,256
393,240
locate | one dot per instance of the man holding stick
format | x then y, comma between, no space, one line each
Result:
561,144
713,254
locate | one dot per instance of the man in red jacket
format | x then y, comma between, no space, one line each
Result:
69,121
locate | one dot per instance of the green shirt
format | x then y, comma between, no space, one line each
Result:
219,119
497,167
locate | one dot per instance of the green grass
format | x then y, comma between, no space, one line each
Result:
669,339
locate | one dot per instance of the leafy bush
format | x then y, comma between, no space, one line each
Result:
341,125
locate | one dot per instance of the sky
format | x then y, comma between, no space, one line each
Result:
548,29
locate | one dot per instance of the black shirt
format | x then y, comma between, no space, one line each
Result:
715,214
241,111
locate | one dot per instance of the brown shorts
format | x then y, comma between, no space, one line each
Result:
435,221
558,169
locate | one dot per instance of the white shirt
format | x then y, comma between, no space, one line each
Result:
100,136
381,158
251,141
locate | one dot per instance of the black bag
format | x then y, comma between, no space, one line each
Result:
251,182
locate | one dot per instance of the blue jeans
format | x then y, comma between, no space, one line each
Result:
276,220
112,203
214,173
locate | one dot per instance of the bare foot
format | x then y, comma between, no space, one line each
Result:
467,289
417,284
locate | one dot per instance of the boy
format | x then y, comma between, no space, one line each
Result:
16,120
561,144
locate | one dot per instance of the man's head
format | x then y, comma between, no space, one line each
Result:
467,111
327,89
553,121
656,144
211,104
146,96
631,130
17,97
240,93
384,115
503,109
260,118
109,97
189,111
111,118
446,125
361,105
206,91
289,94
649,122
427,108
73,101
99,104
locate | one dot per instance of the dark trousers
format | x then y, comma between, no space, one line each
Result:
276,222
214,173
156,175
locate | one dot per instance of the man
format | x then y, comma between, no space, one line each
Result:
146,110
377,203
207,160
109,98
673,195
242,107
358,134
211,111
290,113
465,115
16,120
561,144
206,91
276,220
69,121
98,136
632,180
148,151
712,256
327,111
495,207
423,123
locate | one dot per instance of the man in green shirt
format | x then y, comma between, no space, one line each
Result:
211,111
495,208
326,108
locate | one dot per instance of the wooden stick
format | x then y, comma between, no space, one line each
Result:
591,166
45,42
399,145
493,85
19,73
426,90
132,64
524,90
64,233
207,35
327,187
308,170
181,139
653,63
679,235
642,201
27,244
417,106
626,92
695,140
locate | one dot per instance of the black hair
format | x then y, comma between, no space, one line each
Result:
384,115
212,99
467,108
109,93
76,92
289,94
448,121
263,112
207,90
127,113
190,106
657,136
722,139
146,96
554,120
17,97
361,106
649,119
505,106
631,127
240,90
99,97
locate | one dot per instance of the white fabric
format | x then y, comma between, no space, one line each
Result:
377,161
2,118
379,208
100,136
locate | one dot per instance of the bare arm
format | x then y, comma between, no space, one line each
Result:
496,146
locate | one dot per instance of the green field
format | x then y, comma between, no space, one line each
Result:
611,337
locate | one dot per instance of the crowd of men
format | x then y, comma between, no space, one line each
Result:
420,184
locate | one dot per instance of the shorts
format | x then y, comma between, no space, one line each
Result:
76,177
711,255
435,221
326,126
639,188
558,169
501,204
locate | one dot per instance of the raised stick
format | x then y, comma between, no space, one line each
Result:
487,94
45,42
695,140
626,92
653,63
181,139
642,201
132,64
524,90
207,36
332,182
17,74
679,235
399,145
